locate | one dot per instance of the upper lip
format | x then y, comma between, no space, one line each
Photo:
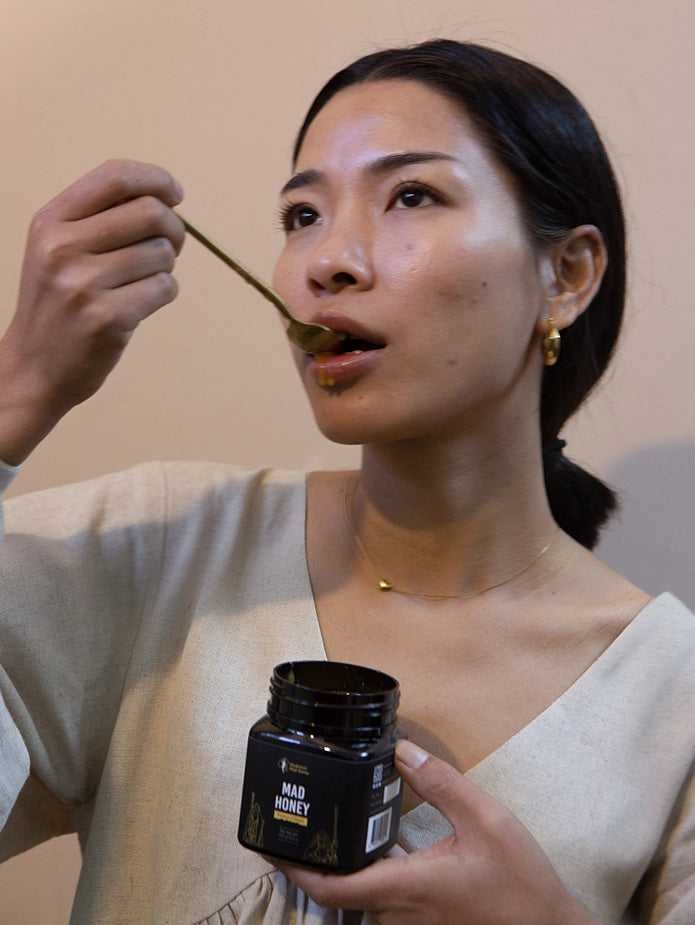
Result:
350,329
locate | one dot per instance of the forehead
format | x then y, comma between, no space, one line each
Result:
362,121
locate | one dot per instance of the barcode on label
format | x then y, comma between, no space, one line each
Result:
378,830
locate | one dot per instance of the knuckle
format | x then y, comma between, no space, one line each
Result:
152,216
116,177
496,819
43,235
71,285
157,255
39,221
165,251
51,244
105,324
171,287
125,176
444,779
55,257
153,209
130,180
166,288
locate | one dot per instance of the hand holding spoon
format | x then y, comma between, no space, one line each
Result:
312,338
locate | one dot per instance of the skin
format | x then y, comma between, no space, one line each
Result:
450,496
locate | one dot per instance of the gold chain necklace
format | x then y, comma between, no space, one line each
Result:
385,585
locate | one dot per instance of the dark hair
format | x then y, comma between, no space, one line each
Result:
538,130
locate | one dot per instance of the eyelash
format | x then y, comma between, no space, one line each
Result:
413,187
289,212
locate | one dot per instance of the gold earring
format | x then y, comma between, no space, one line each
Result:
550,345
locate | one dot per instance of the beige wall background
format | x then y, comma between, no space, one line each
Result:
214,91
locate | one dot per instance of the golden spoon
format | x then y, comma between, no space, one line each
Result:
312,338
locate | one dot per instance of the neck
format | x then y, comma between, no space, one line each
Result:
447,524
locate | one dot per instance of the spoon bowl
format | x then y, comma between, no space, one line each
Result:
311,338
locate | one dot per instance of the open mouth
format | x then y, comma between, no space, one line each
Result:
340,364
348,344
356,345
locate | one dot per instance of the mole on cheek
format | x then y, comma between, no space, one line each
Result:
452,361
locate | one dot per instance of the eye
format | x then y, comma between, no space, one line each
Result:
414,195
298,215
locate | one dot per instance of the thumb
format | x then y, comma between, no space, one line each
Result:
435,781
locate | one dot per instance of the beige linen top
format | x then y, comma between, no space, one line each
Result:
141,615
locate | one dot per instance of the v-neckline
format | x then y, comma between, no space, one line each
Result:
619,643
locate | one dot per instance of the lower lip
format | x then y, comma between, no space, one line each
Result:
340,368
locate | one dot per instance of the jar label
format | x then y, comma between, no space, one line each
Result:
318,809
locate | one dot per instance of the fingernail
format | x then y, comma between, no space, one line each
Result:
410,754
178,190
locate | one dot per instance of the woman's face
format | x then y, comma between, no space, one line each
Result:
404,234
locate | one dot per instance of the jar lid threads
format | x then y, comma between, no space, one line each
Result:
333,700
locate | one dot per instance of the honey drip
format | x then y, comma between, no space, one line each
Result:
324,379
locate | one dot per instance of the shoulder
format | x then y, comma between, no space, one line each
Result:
664,633
656,652
151,491
649,675
668,625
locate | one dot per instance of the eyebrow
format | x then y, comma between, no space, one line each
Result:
381,165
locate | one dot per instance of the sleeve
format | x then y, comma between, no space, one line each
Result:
78,567
667,893
14,758
7,475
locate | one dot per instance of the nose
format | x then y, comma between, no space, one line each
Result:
340,260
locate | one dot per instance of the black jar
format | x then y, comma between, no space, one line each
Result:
320,786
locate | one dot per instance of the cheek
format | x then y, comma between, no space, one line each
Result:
456,290
281,273
498,283
431,275
442,266
288,273
277,276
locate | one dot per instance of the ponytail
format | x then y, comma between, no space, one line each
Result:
580,503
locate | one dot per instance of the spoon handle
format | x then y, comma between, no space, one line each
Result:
248,275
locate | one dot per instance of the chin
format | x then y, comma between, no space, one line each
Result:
363,428
345,436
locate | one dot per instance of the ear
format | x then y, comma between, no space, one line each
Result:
573,270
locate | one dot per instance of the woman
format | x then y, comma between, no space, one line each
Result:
452,213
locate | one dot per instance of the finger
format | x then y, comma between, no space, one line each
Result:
86,275
129,264
128,223
126,307
89,278
373,888
111,183
437,782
